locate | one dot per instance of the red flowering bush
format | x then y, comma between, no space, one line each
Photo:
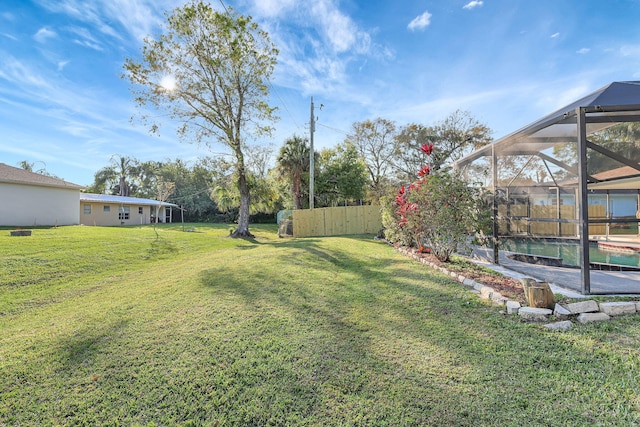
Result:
438,211
427,148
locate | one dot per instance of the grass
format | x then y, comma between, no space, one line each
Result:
113,326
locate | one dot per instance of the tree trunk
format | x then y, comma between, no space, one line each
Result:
297,197
245,201
124,191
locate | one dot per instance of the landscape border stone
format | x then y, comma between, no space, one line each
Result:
618,308
513,307
592,317
563,325
583,311
561,312
589,306
535,314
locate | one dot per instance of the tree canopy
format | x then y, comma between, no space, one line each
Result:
293,163
209,71
376,142
342,176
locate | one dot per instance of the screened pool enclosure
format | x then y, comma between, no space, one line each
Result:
572,176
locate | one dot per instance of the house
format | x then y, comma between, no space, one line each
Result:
32,199
103,209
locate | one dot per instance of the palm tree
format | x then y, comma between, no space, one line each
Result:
26,165
293,162
118,176
31,167
126,167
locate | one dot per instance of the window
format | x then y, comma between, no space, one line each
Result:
123,213
140,210
106,208
87,209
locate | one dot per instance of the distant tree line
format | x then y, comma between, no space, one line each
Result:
373,160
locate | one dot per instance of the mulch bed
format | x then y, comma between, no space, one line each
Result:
507,286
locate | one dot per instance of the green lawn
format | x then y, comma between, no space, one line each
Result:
120,326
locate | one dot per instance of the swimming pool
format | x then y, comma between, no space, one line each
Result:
569,251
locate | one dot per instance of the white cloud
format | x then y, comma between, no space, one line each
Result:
273,8
318,44
555,35
630,50
43,34
139,18
343,34
18,74
583,50
433,109
420,22
86,38
559,95
62,64
28,82
89,44
473,4
337,27
77,129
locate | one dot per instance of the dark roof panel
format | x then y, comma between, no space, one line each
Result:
560,126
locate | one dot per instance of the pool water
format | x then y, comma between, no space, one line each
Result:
569,251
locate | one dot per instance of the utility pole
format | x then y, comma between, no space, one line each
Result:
312,128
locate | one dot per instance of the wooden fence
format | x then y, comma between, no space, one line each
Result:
538,220
337,221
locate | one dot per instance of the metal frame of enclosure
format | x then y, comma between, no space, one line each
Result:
556,178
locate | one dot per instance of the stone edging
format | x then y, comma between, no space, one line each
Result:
583,311
587,311
485,292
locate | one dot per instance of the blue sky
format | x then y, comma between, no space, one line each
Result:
507,62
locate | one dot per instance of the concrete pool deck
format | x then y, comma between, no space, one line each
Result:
565,281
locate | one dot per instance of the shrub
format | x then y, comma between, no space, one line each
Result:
439,211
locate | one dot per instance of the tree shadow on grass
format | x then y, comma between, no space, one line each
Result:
397,317
336,320
161,248
81,348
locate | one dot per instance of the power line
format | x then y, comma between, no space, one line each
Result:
224,6
271,84
334,129
284,104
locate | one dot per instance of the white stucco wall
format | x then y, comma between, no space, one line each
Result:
29,205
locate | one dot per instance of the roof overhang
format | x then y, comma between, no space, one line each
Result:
616,103
122,200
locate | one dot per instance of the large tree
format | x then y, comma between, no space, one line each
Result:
210,71
264,192
376,142
193,185
409,158
450,139
456,136
342,176
293,163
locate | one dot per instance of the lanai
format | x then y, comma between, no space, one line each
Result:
544,176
